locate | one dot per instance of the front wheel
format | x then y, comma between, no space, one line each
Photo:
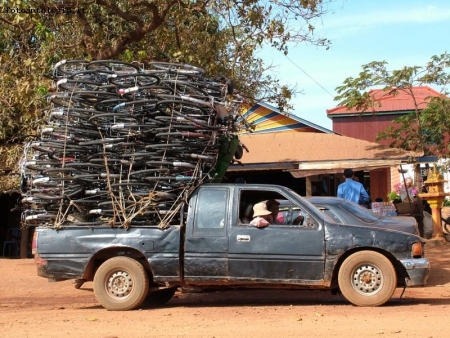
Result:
121,284
367,278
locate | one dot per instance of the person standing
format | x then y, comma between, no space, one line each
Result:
352,190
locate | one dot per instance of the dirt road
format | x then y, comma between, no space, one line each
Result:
32,307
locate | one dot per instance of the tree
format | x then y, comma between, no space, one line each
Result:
420,130
221,37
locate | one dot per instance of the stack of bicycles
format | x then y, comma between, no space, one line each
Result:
124,144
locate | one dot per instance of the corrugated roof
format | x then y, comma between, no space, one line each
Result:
392,101
276,148
268,119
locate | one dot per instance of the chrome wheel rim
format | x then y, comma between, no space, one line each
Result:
367,279
119,284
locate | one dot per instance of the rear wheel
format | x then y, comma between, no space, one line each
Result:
121,284
367,278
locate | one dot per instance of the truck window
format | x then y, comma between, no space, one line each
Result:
211,213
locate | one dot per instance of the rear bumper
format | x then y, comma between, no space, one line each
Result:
60,269
418,270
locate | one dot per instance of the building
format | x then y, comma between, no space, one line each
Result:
313,163
268,119
388,107
291,151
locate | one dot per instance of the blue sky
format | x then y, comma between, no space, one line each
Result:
401,32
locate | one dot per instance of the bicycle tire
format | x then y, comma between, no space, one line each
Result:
147,92
184,134
65,114
109,104
67,67
59,197
181,68
181,87
129,126
101,141
112,118
113,65
64,100
134,79
74,85
41,217
179,106
147,104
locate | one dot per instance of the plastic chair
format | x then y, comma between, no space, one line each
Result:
12,242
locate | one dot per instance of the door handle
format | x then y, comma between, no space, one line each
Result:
243,238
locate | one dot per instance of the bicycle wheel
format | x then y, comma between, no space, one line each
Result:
67,67
108,104
64,100
180,68
134,80
181,108
146,92
181,87
135,106
182,135
114,66
74,85
112,118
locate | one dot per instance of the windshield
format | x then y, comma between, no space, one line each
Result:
359,211
311,207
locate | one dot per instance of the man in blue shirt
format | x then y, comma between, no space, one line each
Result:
352,190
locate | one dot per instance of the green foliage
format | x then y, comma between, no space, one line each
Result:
424,130
222,37
393,196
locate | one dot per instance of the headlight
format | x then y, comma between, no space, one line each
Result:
417,250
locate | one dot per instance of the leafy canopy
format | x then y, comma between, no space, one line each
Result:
426,130
220,36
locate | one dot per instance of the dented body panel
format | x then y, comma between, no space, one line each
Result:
214,248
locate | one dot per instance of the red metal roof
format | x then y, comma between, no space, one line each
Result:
393,101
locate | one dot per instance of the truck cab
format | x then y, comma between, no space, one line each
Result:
219,238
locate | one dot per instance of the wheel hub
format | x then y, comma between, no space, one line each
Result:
119,284
367,279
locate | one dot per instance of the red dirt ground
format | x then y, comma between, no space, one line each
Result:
32,307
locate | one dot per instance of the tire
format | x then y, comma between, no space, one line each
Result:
446,222
160,297
374,292
109,277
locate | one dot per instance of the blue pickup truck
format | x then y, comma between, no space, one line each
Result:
214,247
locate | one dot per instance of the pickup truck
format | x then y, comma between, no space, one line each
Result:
213,247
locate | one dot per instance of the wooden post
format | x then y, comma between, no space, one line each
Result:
435,205
24,239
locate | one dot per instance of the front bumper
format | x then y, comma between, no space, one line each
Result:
418,270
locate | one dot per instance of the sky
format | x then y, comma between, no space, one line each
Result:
400,32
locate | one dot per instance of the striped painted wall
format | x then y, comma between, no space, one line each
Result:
268,119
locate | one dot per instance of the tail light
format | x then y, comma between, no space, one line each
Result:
34,243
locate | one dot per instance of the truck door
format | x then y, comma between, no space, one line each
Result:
284,253
206,242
